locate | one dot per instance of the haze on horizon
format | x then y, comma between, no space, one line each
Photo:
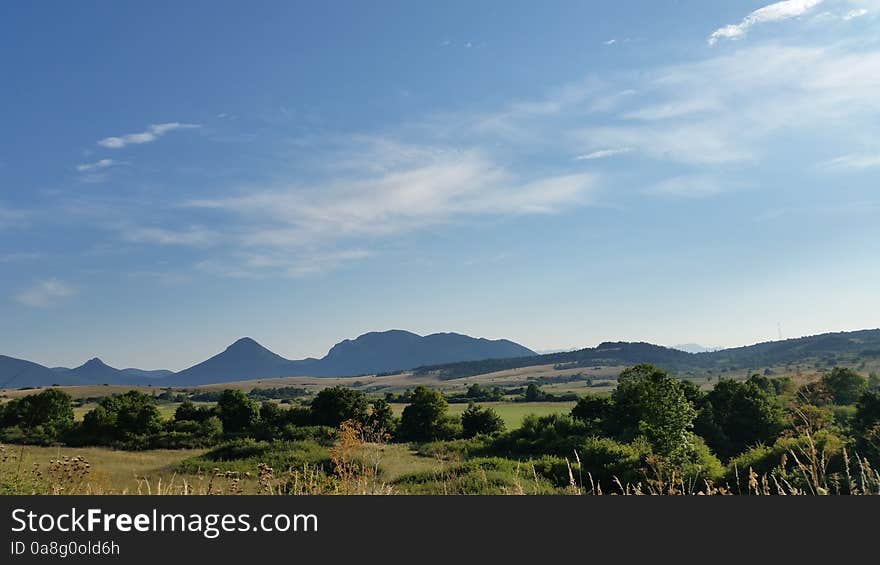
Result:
174,177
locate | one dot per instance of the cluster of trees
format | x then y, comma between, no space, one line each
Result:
425,418
132,420
533,393
37,418
478,393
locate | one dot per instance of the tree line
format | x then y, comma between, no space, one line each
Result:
651,418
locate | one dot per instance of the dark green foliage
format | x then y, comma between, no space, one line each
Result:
533,393
691,391
381,420
127,419
480,420
603,460
554,434
866,425
736,415
237,412
425,418
294,423
243,455
844,385
650,403
335,405
779,461
478,393
280,393
874,382
39,418
187,411
596,412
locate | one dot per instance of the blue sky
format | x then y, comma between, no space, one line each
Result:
175,175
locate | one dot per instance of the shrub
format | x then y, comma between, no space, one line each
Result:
237,412
805,462
480,420
337,404
845,385
425,418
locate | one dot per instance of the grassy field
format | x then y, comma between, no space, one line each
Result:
155,471
511,412
111,471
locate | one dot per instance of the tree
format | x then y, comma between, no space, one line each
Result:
42,417
335,405
477,420
595,412
533,393
866,426
236,411
381,419
874,381
648,402
845,385
123,417
187,411
739,415
425,419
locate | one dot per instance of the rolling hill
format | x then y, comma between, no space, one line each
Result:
825,349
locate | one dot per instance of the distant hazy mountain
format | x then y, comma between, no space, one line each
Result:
245,359
379,352
375,352
17,373
95,371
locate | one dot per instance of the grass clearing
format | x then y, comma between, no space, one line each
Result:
112,471
511,412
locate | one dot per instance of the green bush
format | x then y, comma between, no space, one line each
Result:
822,452
244,455
454,449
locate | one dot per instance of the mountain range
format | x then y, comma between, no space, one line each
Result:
374,352
449,356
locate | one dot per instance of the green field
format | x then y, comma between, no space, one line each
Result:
511,412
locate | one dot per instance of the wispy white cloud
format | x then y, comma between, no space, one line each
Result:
688,186
603,154
17,257
44,293
192,236
727,109
96,166
297,229
855,161
771,13
436,187
152,133
854,14
12,217
295,263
